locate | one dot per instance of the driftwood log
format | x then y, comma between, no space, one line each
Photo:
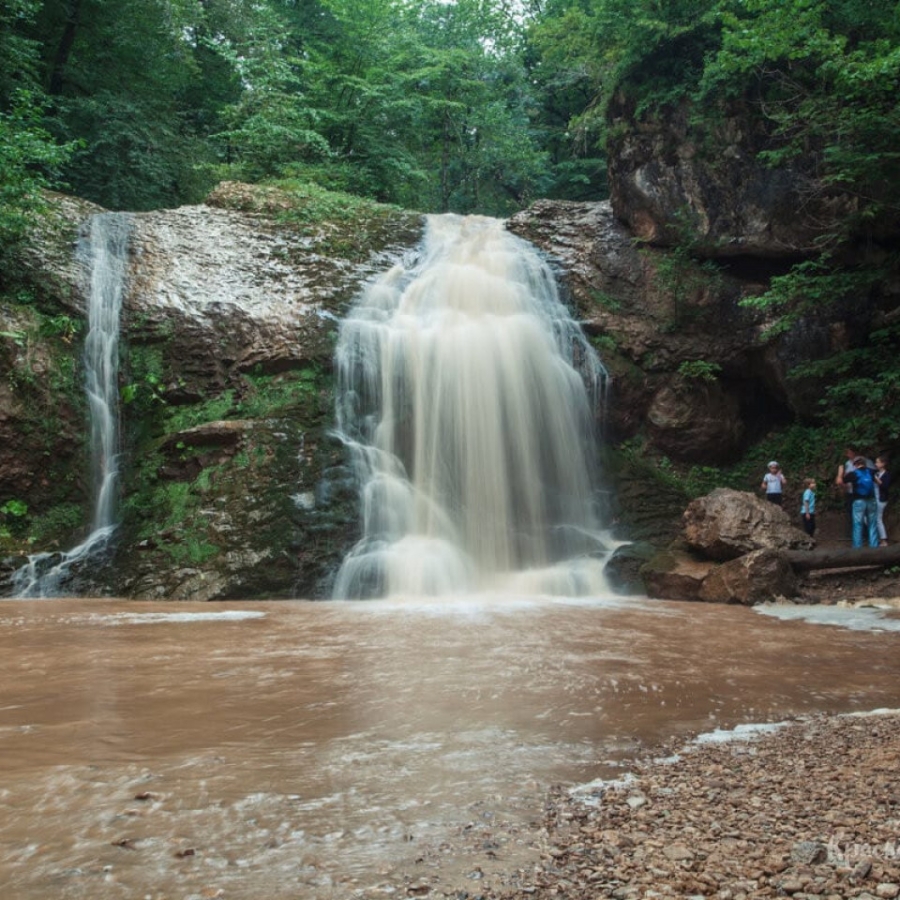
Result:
806,560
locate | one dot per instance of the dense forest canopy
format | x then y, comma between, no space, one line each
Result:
471,105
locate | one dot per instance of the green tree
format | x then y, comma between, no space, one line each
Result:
135,85
270,127
29,157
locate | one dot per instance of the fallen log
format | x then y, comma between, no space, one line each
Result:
807,560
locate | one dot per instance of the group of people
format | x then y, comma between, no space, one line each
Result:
866,485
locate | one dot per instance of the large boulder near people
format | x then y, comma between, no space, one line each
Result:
732,550
754,578
726,524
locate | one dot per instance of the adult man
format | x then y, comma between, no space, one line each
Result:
864,505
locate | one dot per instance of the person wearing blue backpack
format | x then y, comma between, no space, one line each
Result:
864,502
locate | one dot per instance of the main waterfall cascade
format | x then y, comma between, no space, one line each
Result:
471,430
104,254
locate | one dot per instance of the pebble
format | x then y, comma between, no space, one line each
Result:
785,818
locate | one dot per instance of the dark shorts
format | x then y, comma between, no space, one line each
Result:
809,525
774,498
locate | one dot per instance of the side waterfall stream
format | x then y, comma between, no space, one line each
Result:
471,429
104,255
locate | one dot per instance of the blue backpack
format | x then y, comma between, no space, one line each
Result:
865,484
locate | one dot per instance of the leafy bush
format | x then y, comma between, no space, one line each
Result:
700,370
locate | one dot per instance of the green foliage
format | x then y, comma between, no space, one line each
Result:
827,75
340,224
62,326
273,395
13,519
861,401
181,418
18,337
606,301
29,157
272,125
804,451
145,388
58,523
605,343
699,370
14,508
29,160
810,285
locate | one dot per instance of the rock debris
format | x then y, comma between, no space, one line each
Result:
810,810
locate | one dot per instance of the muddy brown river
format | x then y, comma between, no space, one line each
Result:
260,751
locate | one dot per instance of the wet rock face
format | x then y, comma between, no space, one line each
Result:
231,315
650,313
671,179
229,319
693,367
696,421
260,295
42,421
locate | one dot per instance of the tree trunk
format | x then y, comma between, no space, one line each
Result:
806,560
64,50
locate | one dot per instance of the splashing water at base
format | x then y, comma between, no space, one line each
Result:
471,430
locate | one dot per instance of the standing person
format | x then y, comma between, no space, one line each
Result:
883,482
773,483
851,453
808,506
865,506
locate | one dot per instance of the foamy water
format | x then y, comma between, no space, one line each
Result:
467,399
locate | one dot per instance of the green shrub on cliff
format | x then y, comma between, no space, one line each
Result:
821,76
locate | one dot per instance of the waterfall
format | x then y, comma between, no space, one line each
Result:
470,429
104,255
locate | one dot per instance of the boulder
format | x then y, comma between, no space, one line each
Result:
754,578
674,574
726,524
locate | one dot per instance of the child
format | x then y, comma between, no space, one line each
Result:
773,483
808,506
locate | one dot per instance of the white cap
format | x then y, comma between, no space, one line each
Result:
773,463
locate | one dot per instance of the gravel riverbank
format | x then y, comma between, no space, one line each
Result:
809,809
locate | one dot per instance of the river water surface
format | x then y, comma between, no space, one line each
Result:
338,750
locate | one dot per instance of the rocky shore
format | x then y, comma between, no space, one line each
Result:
809,809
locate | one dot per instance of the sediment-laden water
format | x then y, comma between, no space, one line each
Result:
339,750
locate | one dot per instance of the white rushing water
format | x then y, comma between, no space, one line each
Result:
468,398
104,254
